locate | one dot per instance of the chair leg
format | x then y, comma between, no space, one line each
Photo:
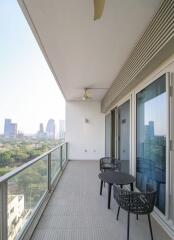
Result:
101,187
128,224
150,226
137,216
118,211
109,194
104,184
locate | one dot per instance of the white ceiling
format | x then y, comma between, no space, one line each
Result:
84,52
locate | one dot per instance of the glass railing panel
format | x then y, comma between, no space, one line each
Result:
63,153
25,192
55,163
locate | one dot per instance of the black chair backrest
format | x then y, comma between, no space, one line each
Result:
135,202
113,162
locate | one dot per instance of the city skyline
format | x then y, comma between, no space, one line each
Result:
29,93
8,123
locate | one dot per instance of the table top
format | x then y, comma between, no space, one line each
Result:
118,178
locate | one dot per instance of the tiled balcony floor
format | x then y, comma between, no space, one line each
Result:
76,211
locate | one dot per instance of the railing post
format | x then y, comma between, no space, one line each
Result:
66,154
3,211
49,172
60,157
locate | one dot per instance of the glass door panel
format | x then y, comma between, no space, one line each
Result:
108,135
151,129
124,135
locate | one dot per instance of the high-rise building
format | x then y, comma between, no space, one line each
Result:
61,129
50,129
7,124
41,128
40,133
10,129
149,130
13,132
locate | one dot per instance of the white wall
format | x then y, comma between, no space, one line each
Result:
85,140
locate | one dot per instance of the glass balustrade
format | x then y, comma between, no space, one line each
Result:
55,164
25,189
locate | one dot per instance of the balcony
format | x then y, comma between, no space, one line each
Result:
77,211
72,208
116,75
26,190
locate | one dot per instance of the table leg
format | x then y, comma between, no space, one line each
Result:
109,194
101,187
132,187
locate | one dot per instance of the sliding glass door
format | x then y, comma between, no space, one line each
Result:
108,130
151,132
124,135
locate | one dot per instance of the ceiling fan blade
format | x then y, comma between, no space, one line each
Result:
98,8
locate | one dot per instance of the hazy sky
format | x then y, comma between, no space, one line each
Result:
28,91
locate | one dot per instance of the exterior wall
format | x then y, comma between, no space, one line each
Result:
167,66
85,130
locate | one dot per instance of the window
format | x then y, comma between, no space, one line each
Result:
151,139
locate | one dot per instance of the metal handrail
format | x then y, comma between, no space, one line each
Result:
17,170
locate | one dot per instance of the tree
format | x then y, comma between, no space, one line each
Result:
5,158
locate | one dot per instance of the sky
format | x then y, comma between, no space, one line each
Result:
29,94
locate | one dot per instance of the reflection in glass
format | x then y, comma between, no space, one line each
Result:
151,139
25,191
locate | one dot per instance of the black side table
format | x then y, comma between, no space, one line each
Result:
118,178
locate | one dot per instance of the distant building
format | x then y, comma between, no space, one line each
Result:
41,133
149,130
61,129
41,128
7,124
50,129
10,129
17,215
20,135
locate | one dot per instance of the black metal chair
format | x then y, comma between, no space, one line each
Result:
109,163
135,202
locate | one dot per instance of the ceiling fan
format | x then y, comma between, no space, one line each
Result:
86,95
98,8
87,91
